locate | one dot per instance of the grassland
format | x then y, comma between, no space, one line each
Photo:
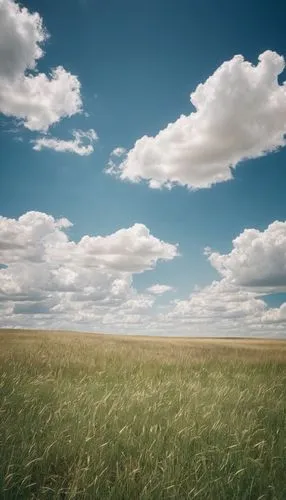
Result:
106,417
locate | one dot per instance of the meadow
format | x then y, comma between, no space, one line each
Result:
108,417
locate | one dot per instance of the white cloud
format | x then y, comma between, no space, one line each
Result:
53,281
114,156
50,281
258,258
38,237
22,34
218,302
240,114
82,144
223,309
119,151
36,99
275,315
234,305
159,289
131,250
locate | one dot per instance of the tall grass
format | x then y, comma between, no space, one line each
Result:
100,417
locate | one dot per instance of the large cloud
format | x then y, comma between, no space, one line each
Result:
258,258
36,99
240,113
217,302
234,305
81,144
47,279
223,309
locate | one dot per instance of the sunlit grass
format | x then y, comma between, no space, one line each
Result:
89,416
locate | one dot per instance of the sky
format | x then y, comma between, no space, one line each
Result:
142,166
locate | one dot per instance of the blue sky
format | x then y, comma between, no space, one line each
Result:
137,65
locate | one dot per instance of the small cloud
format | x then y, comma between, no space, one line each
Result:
77,145
207,251
119,151
160,289
112,164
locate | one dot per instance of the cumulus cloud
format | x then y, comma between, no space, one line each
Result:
50,280
82,144
132,250
159,289
234,305
258,259
22,33
275,315
223,309
35,99
217,302
240,114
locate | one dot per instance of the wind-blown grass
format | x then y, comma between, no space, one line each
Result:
105,417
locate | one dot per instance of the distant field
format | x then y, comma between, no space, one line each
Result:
110,417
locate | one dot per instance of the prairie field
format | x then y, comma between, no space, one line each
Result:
112,417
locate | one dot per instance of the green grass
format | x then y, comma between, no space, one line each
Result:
105,417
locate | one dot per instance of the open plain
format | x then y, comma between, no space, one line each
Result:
117,417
